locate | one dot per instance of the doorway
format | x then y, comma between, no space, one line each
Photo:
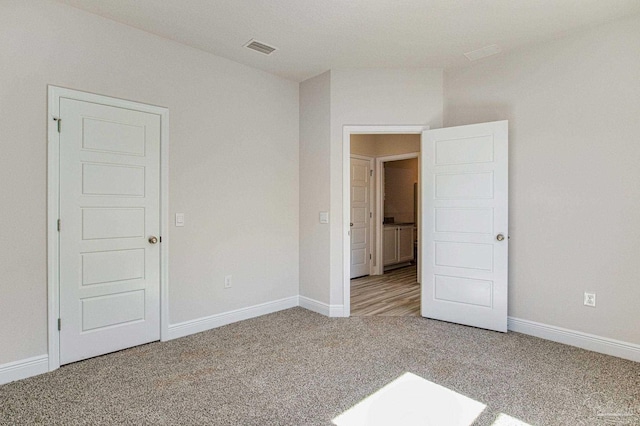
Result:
463,249
389,286
107,213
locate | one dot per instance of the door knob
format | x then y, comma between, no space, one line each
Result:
153,239
500,237
351,224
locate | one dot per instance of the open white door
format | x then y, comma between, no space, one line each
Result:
465,224
360,217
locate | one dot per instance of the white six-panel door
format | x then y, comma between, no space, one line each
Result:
109,212
465,224
360,217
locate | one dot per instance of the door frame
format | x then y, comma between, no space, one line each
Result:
55,93
371,230
380,205
347,131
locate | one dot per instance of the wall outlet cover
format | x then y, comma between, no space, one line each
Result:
324,217
179,219
590,299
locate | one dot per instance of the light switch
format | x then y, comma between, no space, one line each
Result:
324,217
179,219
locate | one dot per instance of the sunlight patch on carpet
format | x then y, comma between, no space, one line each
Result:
411,400
506,420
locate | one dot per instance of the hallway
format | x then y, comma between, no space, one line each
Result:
396,293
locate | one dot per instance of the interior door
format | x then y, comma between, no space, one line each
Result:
465,224
109,226
360,217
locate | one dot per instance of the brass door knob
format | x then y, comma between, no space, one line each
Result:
153,239
500,237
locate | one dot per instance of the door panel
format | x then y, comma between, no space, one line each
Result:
360,212
464,255
464,220
465,204
109,207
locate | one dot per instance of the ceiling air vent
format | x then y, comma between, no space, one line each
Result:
260,47
483,52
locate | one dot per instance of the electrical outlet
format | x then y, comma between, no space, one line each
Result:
590,299
227,281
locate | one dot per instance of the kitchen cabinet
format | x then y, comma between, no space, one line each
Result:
390,245
405,243
397,244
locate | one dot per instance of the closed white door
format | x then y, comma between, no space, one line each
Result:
360,217
465,224
109,220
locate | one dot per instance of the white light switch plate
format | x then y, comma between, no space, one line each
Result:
324,217
179,219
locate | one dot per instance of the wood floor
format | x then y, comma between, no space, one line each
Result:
396,293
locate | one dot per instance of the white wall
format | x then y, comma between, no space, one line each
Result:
373,97
315,121
574,115
233,162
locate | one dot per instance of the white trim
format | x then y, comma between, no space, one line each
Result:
314,305
346,196
53,187
582,340
380,204
164,225
333,311
213,321
18,370
337,311
29,367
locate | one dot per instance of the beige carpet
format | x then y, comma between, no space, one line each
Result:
298,368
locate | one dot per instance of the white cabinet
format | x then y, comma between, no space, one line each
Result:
390,245
405,243
397,244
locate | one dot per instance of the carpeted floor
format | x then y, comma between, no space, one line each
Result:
296,367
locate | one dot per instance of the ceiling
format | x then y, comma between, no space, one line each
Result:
313,36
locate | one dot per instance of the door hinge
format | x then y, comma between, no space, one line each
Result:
370,171
59,324
58,225
370,214
369,256
57,120
160,239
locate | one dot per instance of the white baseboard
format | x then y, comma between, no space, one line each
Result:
23,368
314,305
582,340
337,311
36,365
207,323
321,307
